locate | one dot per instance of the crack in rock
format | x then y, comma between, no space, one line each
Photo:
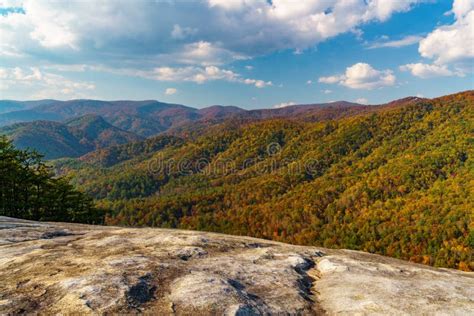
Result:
55,234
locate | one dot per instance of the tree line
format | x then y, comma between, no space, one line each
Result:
29,190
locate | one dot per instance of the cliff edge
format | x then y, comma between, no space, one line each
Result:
72,268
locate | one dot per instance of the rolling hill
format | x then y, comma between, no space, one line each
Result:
394,180
7,106
148,118
73,138
142,118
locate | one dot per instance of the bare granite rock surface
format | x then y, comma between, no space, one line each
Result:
61,268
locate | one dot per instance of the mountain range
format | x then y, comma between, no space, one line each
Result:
72,138
51,127
394,179
149,117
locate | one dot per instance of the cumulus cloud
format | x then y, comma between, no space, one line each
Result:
258,83
428,71
42,84
171,91
133,37
283,105
362,76
452,43
383,9
406,41
203,53
112,30
189,73
195,74
448,46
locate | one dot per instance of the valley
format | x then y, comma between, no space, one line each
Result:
237,157
394,179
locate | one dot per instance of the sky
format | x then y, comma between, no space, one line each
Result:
248,53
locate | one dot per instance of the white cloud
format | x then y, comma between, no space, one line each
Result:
462,7
283,105
171,91
383,9
203,53
114,31
406,41
330,79
309,82
228,5
197,74
327,91
248,67
362,101
42,84
452,43
19,75
428,71
48,27
10,3
192,74
179,32
362,76
169,37
258,83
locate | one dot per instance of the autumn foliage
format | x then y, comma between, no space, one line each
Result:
398,181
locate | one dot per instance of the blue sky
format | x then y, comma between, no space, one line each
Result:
252,54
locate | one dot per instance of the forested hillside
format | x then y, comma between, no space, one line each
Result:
73,128
398,181
10,106
72,138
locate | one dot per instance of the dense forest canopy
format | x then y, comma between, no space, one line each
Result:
398,181
29,190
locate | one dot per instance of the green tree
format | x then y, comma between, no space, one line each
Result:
28,189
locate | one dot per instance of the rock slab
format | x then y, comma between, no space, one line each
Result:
62,268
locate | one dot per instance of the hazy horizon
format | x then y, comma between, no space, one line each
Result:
277,106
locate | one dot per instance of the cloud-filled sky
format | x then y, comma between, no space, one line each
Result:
250,53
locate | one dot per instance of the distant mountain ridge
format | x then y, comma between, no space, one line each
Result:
145,118
73,138
12,105
76,127
395,179
73,128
